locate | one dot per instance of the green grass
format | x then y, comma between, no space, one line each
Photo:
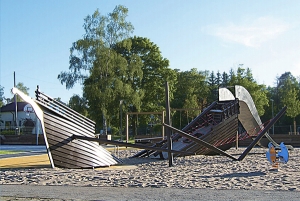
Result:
3,152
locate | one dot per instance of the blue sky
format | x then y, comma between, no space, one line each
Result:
36,36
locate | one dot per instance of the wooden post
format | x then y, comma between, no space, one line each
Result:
168,131
162,122
127,130
237,140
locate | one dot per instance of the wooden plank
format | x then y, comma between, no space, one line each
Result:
201,142
73,154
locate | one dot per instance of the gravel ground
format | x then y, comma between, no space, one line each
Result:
191,178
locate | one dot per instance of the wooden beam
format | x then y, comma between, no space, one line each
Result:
168,120
124,144
201,142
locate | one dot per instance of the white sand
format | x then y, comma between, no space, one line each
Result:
203,172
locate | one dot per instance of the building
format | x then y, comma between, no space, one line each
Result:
27,122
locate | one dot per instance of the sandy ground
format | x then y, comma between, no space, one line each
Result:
190,178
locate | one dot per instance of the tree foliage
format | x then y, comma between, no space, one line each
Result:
149,78
120,73
244,77
191,94
95,64
1,96
79,104
94,50
22,88
288,91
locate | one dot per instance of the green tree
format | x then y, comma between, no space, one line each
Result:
258,92
101,33
1,100
225,79
1,96
79,104
95,63
213,87
218,79
270,109
154,72
22,88
105,94
149,78
191,92
289,95
232,76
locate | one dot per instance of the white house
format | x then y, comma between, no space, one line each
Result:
27,121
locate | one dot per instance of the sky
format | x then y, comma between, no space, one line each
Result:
216,35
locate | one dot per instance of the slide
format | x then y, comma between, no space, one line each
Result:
248,116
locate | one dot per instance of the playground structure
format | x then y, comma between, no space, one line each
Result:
71,143
216,128
59,123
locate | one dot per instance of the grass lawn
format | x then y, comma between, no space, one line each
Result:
2,152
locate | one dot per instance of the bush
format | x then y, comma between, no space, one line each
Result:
8,132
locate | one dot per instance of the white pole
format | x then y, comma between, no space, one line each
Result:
37,130
17,130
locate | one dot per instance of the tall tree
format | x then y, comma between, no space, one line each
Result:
154,72
105,94
289,95
218,78
1,96
101,33
225,79
258,92
213,86
191,93
79,104
148,78
22,88
94,63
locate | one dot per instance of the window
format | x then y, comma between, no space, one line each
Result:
29,109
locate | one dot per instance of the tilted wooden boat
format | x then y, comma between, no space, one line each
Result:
59,123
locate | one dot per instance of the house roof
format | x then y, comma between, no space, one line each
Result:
11,107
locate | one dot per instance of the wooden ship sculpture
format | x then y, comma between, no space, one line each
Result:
70,137
71,141
59,123
219,127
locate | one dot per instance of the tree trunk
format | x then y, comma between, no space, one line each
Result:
295,130
104,125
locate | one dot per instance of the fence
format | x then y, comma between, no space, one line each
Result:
13,130
287,129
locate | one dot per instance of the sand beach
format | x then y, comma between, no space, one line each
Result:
191,175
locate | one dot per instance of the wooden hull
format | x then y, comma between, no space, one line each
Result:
59,123
68,153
